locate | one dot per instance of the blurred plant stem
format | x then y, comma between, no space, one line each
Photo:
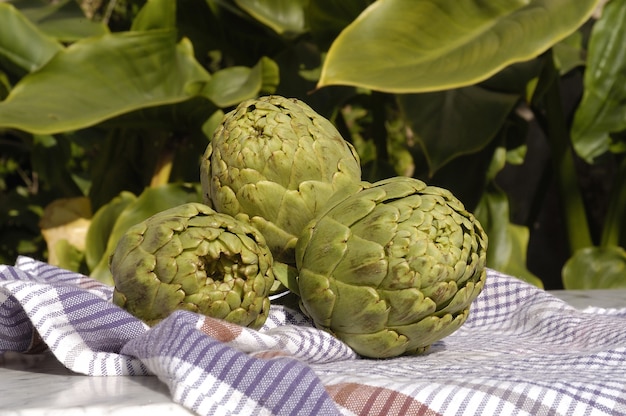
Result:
163,167
557,133
614,222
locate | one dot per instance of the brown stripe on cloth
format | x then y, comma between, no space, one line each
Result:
220,330
371,401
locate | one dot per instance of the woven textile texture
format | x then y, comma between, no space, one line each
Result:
521,352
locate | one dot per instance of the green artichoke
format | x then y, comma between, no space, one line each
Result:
193,258
273,162
392,268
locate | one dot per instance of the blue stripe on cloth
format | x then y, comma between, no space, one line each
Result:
71,315
14,324
206,375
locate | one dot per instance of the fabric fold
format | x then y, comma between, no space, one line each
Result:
213,378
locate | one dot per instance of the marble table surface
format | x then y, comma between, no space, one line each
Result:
33,385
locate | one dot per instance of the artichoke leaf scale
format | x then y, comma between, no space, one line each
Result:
184,273
248,240
352,210
296,210
358,309
403,245
246,300
428,202
133,239
333,242
275,166
240,314
259,285
407,305
231,245
463,298
379,225
236,177
443,211
165,265
222,198
462,272
137,265
422,333
280,242
157,236
396,190
430,329
234,299
262,198
364,263
441,292
320,298
306,202
385,343
164,298
310,166
408,207
218,309
400,275
197,236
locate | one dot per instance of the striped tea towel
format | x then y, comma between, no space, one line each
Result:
521,352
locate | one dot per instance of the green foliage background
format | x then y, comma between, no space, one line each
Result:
517,107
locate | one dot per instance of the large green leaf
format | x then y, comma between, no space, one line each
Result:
99,78
285,17
22,43
427,45
603,106
101,227
569,53
596,268
232,85
156,14
451,123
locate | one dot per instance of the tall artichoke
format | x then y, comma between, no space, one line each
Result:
393,268
274,162
191,257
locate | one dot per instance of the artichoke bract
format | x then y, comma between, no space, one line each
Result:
274,162
392,268
193,258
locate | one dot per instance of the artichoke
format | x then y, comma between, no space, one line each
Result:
392,268
274,162
193,258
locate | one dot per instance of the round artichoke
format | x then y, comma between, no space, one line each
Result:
274,162
392,268
191,257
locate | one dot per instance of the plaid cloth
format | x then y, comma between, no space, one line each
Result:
521,352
